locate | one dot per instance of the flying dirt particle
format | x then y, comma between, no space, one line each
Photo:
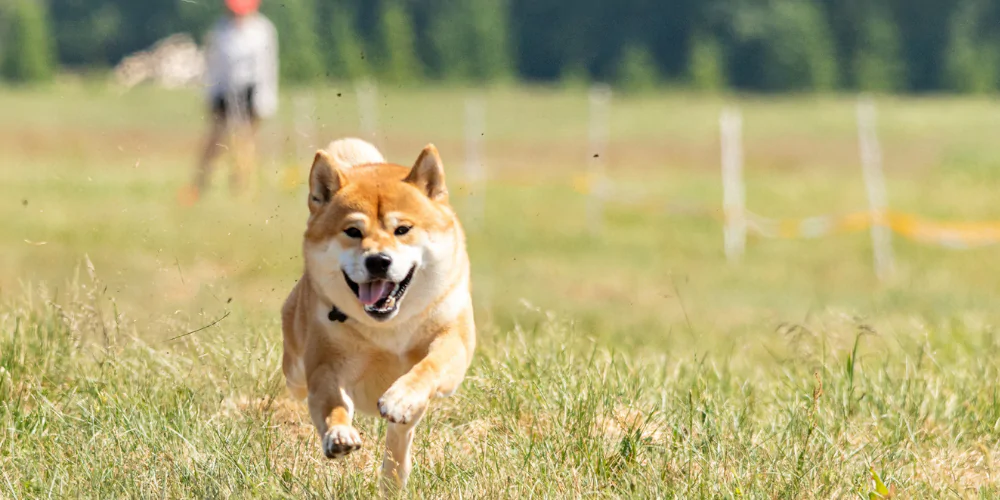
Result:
24,203
229,300
338,94
597,156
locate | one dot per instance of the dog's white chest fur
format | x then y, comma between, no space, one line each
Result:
396,340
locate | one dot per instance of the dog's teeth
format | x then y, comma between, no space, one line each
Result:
390,302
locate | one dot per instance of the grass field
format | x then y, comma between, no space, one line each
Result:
632,361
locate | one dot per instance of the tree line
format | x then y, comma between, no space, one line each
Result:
757,45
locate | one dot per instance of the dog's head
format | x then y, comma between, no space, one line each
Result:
380,237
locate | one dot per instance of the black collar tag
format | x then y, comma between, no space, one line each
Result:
336,316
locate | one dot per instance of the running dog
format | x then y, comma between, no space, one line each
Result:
381,320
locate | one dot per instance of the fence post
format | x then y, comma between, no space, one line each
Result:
475,166
871,165
733,189
367,109
303,139
304,118
600,111
476,178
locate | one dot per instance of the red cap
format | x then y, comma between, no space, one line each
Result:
243,7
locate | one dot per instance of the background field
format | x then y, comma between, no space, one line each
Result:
633,361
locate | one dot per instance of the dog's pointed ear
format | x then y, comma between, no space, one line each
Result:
428,174
325,179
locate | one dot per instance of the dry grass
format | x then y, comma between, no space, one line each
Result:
542,413
633,362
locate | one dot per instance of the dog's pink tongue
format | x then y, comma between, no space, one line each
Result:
373,291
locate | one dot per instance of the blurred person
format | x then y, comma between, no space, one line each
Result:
241,59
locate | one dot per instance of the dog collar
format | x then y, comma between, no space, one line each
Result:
336,316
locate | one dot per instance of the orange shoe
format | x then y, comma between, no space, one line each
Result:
188,196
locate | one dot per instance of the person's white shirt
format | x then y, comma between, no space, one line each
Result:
243,52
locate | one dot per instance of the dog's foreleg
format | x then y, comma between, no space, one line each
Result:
404,404
332,411
437,373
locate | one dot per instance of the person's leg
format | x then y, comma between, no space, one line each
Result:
243,176
214,144
213,148
252,172
244,151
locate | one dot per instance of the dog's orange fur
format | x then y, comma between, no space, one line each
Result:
390,368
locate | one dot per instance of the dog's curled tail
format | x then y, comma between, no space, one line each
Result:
352,152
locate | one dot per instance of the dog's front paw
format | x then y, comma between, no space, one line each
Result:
402,404
341,440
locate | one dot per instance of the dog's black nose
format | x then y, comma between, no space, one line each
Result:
378,264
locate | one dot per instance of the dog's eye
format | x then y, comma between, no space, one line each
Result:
353,232
401,230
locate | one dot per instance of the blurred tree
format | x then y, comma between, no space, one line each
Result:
86,34
489,40
347,59
28,55
449,35
398,61
196,18
574,75
923,27
555,42
775,45
972,55
638,71
470,40
298,45
790,42
878,61
142,24
707,65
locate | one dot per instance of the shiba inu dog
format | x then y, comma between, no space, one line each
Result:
381,320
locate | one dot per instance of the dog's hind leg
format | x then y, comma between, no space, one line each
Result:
396,463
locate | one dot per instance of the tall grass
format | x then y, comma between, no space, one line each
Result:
544,412
630,363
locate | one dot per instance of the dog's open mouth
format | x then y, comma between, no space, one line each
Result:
380,298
